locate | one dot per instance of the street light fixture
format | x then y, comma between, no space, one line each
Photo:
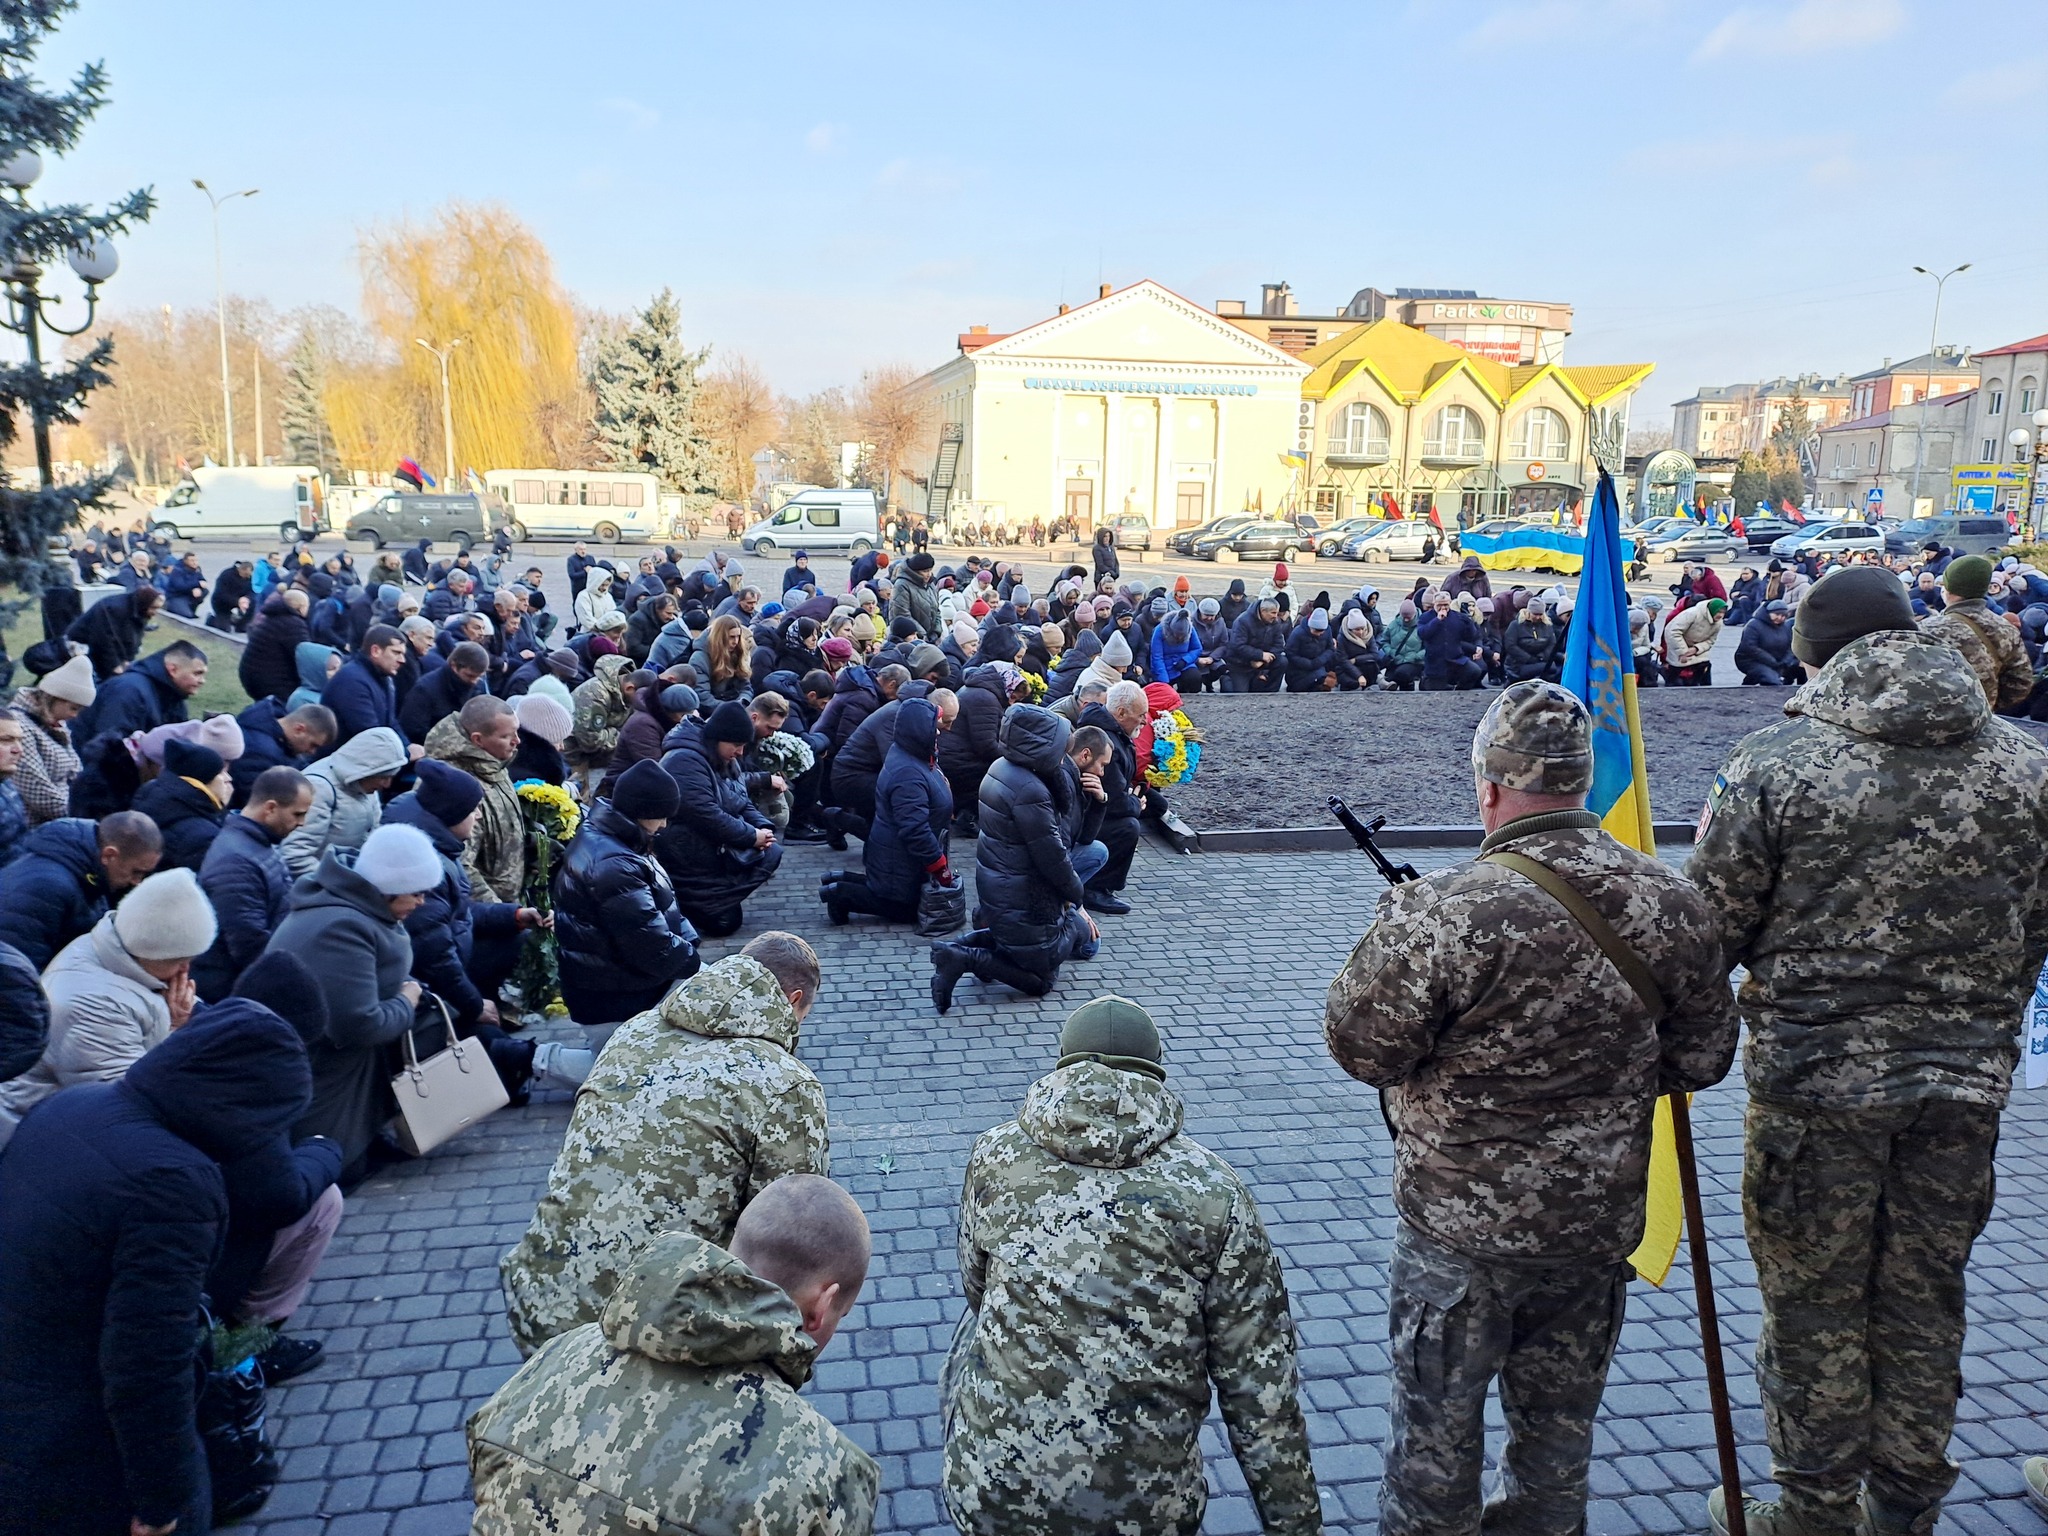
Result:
1933,331
220,309
94,262
2037,499
441,356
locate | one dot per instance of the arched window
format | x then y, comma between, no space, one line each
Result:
1454,433
1359,431
2028,390
1543,435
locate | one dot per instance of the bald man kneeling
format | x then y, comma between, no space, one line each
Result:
679,1408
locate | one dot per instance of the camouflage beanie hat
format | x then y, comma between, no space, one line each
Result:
1117,1033
1538,737
1846,605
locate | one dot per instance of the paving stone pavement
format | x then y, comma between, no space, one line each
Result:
1232,953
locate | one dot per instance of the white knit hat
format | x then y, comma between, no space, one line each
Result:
1116,650
544,717
167,917
399,860
71,682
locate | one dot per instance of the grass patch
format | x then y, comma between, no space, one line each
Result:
223,691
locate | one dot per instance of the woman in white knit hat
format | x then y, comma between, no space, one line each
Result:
544,724
49,760
117,991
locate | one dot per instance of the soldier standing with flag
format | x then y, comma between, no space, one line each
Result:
1522,1013
1875,861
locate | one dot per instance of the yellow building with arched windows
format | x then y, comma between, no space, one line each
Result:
1390,413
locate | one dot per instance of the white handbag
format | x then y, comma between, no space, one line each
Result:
448,1092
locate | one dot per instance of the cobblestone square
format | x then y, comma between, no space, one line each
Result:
1232,954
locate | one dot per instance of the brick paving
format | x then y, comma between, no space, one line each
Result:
1232,953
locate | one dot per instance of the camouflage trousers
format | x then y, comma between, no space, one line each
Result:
1454,1324
1860,1223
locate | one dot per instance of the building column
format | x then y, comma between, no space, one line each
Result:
1164,488
1112,458
1216,481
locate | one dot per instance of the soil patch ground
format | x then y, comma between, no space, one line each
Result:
1273,760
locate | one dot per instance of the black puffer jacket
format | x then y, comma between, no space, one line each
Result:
1249,640
112,630
1526,651
56,889
854,698
444,927
1120,773
857,765
712,832
970,747
1765,644
616,920
187,815
1024,876
24,1014
913,808
269,668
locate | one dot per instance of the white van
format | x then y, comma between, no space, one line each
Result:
581,504
217,502
846,521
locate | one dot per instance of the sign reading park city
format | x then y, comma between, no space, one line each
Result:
1141,387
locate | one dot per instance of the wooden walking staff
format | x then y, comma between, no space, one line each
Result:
1710,1323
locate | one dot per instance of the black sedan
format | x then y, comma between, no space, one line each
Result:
1184,542
1271,541
1760,533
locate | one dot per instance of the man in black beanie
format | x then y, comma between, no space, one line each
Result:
916,597
1865,860
718,849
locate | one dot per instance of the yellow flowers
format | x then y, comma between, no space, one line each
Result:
551,807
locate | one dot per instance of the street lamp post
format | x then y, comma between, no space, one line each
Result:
2037,500
441,356
220,309
94,263
1933,332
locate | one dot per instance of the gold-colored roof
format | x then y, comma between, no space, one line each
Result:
1409,363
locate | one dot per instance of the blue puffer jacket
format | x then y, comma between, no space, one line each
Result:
362,698
913,808
616,920
1765,644
444,927
56,890
263,746
1249,639
1171,657
24,1014
140,699
1311,656
1444,641
244,878
1024,876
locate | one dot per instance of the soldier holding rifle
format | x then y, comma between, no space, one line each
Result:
1522,1013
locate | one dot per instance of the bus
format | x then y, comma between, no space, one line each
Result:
581,504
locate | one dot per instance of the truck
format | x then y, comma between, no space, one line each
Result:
214,501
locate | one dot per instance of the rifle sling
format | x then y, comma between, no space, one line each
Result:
1612,944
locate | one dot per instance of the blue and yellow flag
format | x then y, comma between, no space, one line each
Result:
1599,666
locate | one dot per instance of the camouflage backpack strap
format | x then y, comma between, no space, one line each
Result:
1612,944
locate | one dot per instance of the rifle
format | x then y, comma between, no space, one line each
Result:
1361,834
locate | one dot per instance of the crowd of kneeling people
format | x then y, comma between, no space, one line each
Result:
218,929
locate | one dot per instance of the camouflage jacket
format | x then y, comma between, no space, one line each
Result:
1990,645
1875,860
677,1412
1520,1068
693,1109
494,858
1113,1267
600,711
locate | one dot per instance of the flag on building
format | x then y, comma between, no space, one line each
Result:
1391,507
1599,666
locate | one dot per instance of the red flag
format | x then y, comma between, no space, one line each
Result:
1389,506
1436,520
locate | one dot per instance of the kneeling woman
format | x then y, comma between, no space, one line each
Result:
906,843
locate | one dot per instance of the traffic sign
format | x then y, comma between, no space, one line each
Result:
1874,498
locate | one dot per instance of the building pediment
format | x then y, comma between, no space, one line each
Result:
1144,324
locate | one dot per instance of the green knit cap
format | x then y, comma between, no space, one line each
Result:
1968,577
1115,1032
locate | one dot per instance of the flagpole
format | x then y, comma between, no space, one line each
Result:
1710,1324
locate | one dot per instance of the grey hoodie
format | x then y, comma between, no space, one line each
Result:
343,814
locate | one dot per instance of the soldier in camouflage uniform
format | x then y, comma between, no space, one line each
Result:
1113,1268
1875,861
692,1110
1520,1072
678,1410
602,704
1990,644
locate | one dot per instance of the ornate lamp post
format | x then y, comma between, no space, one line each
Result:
94,262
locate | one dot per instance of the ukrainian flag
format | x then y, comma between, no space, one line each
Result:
1599,666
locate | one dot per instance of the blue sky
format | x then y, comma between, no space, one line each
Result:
1725,190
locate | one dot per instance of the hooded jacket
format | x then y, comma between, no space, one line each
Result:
112,631
916,597
1765,644
616,920
599,712
445,926
342,928
694,1108
140,699
1075,662
1527,648
494,857
112,1208
1169,657
913,808
707,846
1859,857
854,697
1063,1416
1401,643
676,1411
56,890
342,814
268,668
969,747
1024,872
186,814
309,660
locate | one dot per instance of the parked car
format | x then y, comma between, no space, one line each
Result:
1695,544
1132,531
1656,527
1978,535
1831,539
1183,542
403,516
1268,540
1760,532
1400,539
1331,541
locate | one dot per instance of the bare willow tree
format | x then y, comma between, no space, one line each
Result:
740,416
898,427
474,273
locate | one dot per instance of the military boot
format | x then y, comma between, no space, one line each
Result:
1884,1517
1768,1518
949,963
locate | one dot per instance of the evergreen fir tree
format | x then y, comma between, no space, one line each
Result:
645,382
50,122
308,439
